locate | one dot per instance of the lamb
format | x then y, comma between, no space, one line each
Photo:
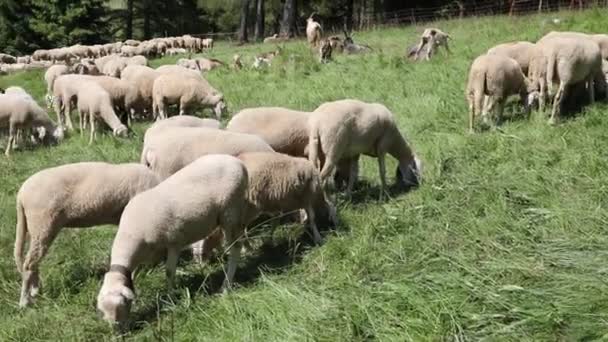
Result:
434,38
51,75
168,150
348,128
286,131
93,102
186,92
279,183
72,195
569,60
521,52
498,77
313,31
206,194
21,112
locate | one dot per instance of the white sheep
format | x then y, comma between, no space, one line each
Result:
186,92
183,209
286,131
168,150
51,75
114,67
280,183
569,60
520,51
177,69
72,195
497,77
181,121
313,31
175,51
95,102
20,112
345,129
142,77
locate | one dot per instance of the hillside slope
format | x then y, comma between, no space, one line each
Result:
505,240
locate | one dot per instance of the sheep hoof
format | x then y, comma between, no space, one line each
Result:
552,122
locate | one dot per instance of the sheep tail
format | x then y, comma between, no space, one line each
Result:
20,236
313,146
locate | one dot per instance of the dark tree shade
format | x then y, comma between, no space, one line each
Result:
259,20
243,25
288,22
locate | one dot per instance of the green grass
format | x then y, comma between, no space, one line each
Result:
505,240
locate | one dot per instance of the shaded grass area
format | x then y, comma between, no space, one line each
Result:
505,240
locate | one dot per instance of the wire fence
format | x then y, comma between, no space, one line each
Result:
368,19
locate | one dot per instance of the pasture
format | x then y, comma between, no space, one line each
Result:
505,239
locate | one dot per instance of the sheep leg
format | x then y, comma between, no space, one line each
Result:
488,108
170,267
382,171
591,85
39,246
92,123
313,225
234,255
542,97
67,110
58,111
81,116
197,250
499,110
557,103
353,175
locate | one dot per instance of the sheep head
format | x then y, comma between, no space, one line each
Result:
115,299
407,175
121,131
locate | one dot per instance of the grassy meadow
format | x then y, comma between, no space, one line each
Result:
506,239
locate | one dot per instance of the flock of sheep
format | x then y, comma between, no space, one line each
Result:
199,186
575,61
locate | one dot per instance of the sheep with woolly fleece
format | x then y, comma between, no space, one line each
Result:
520,51
137,60
142,77
175,51
286,131
7,59
65,88
496,77
568,60
191,64
313,31
207,43
186,92
279,183
70,196
19,112
177,69
95,102
131,42
24,59
41,55
345,129
208,193
123,94
113,67
168,150
181,121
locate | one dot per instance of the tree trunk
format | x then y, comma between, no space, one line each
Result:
259,23
243,26
348,15
288,22
147,16
129,19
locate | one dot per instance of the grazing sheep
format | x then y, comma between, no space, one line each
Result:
73,195
21,112
496,77
24,59
350,48
313,31
123,94
114,67
569,60
168,150
65,88
207,194
142,77
177,69
41,55
7,59
208,64
207,43
86,67
181,121
521,52
51,75
175,51
279,183
95,102
434,38
286,131
186,92
346,129
137,60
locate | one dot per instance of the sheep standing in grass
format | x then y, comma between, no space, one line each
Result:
313,31
280,183
168,150
567,60
72,195
432,38
496,77
185,208
20,112
346,129
286,131
142,78
521,52
50,76
94,102
186,92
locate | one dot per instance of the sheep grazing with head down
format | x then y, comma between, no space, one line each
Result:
496,77
185,208
94,102
72,195
313,31
432,39
521,52
346,129
280,183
